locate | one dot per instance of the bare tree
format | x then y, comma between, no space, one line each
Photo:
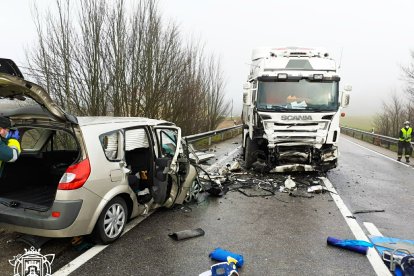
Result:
408,76
113,62
390,121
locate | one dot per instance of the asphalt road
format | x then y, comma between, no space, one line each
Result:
277,235
370,180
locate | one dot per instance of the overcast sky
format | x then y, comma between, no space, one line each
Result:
375,37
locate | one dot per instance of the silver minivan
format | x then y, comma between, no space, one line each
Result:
74,174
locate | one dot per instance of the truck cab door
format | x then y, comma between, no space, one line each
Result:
165,174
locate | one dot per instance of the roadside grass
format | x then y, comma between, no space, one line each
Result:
359,122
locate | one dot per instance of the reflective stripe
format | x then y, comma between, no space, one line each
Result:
406,134
15,155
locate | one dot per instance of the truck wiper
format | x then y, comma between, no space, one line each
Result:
273,108
318,109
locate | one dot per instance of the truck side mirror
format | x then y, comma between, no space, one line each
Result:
345,99
247,86
247,93
348,88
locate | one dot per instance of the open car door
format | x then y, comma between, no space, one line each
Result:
165,174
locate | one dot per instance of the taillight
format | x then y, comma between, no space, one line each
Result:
75,176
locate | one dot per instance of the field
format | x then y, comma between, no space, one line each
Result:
229,122
358,122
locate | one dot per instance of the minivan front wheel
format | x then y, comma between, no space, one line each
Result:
111,222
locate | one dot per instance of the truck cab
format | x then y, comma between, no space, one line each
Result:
291,110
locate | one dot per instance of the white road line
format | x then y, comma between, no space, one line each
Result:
217,163
372,229
373,257
383,155
92,252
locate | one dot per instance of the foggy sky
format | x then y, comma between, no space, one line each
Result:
375,37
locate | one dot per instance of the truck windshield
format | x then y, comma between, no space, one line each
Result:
302,95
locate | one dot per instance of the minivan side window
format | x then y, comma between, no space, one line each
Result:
31,137
63,141
112,146
168,141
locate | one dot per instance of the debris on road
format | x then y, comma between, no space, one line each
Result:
256,183
396,253
187,234
255,192
235,166
297,193
223,269
290,184
182,208
221,255
357,246
368,211
316,189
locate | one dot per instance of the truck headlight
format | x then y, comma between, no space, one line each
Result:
322,125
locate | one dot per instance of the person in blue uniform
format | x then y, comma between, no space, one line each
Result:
9,143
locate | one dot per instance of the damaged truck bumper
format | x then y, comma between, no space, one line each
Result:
322,159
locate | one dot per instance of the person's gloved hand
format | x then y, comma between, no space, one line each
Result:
13,134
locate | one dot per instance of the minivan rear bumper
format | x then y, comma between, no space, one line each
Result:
68,212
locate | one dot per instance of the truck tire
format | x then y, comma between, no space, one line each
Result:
249,154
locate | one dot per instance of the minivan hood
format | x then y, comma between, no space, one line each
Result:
15,88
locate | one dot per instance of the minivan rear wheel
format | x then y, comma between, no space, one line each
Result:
111,222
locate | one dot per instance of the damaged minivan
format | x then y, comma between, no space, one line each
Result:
84,175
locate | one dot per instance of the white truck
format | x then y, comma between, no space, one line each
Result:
291,110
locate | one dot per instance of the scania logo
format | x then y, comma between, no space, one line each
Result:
296,117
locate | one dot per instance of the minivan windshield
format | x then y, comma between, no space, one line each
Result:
305,95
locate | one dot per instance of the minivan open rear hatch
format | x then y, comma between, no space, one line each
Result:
15,96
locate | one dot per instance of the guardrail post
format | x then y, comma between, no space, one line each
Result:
209,141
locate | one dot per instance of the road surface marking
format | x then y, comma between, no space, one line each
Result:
230,154
95,250
372,229
92,252
383,155
375,260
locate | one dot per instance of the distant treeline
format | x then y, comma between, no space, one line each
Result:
104,58
396,110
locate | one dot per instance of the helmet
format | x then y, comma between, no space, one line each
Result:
5,122
406,123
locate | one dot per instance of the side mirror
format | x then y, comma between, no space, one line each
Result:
247,86
345,99
247,93
348,88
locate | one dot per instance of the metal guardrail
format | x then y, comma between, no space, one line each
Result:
210,134
376,139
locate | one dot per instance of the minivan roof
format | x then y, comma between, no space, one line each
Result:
95,120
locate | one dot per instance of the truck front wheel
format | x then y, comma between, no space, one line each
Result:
250,153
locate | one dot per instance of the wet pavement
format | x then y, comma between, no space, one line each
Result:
277,233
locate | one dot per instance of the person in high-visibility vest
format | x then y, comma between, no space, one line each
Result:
404,142
9,143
